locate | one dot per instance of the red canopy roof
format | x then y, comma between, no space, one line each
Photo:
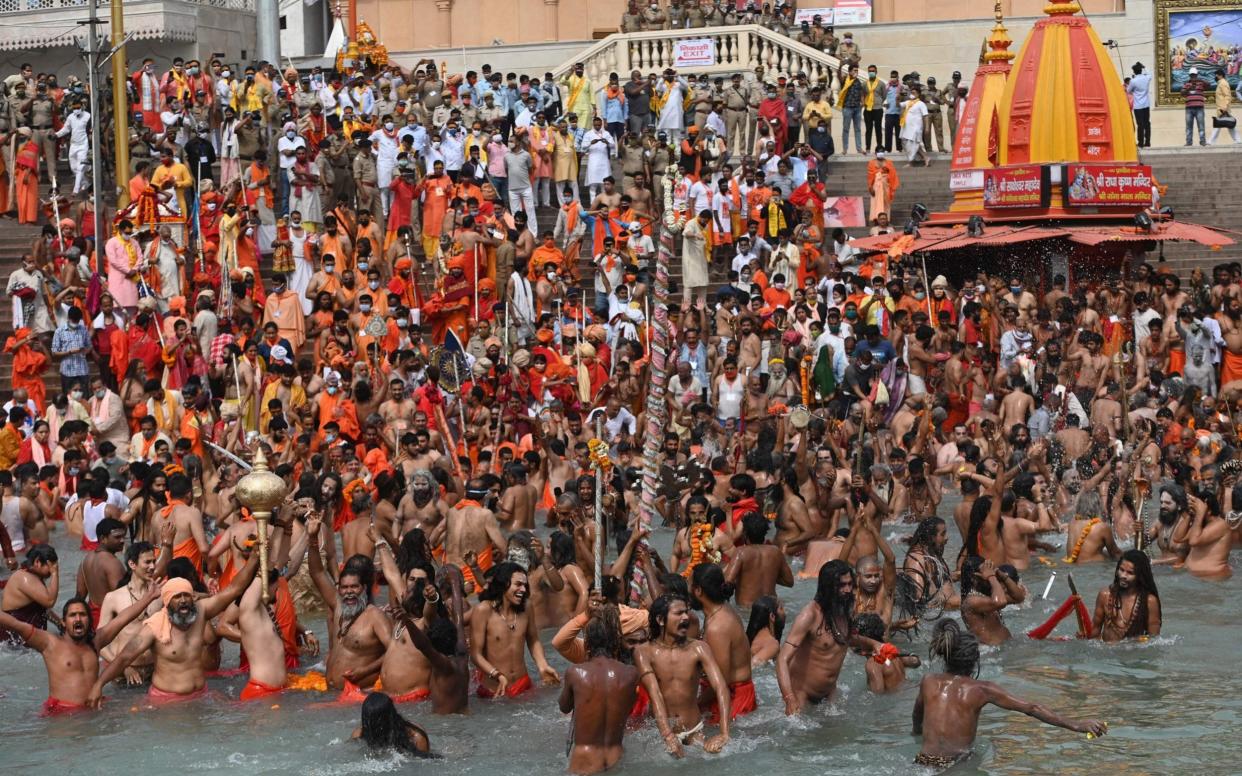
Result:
944,238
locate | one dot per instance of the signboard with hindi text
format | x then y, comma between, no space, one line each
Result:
1022,186
849,12
1107,185
694,52
808,15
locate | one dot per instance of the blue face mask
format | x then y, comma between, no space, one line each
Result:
331,390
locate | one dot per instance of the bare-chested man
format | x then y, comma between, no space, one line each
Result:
600,694
1208,536
100,572
177,636
189,540
946,712
1130,607
470,527
422,506
985,592
518,501
810,660
670,667
358,633
726,637
398,410
261,639
501,630
756,568
72,659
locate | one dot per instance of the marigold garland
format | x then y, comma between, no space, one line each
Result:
1082,538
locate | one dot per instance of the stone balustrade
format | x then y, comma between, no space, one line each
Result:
738,48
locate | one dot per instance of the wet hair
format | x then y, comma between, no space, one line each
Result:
970,569
363,568
978,515
925,534
831,604
603,634
744,483
870,625
40,553
1023,485
958,648
659,611
755,527
498,584
182,568
561,548
383,727
762,612
443,636
108,525
709,578
1145,584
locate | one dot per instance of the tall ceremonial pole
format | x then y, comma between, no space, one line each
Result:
657,409
120,110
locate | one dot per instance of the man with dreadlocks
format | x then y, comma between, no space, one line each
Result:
72,658
600,694
810,660
501,630
925,566
946,712
1130,607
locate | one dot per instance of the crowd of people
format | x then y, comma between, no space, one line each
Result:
380,315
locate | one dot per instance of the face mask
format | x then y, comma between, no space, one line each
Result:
76,394
100,393
374,284
329,268
225,74
389,125
851,314
401,324
920,295
330,437
1015,289
365,308
73,471
291,134
871,76
436,144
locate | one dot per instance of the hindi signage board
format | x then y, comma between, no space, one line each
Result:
1107,185
694,52
1022,186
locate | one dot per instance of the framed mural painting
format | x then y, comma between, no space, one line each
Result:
1203,34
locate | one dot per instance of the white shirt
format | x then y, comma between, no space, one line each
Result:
1139,89
701,196
1142,324
453,148
77,127
285,144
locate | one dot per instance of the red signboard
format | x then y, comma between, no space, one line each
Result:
1023,186
1107,185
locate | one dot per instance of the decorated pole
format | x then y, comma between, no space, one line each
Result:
600,471
657,409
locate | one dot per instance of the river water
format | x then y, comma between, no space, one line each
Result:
1171,703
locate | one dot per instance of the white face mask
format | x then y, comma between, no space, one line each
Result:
389,125
374,284
364,308
291,134
329,268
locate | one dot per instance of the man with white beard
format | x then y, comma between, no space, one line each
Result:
176,634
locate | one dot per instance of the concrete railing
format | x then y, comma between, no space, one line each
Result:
738,48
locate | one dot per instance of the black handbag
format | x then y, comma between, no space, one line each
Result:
1224,122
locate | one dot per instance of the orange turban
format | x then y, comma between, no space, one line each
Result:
487,285
543,335
458,262
404,263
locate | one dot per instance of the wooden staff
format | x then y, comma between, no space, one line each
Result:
927,288
448,449
599,510
476,284
241,405
13,170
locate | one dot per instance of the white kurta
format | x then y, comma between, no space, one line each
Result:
912,131
299,279
694,255
599,155
673,114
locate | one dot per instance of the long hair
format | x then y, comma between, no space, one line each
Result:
834,606
924,535
709,579
383,727
413,550
562,550
657,615
978,515
90,624
498,584
1145,585
958,648
763,612
970,570
603,633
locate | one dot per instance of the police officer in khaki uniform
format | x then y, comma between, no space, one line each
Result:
950,97
755,91
42,112
696,18
653,18
737,103
935,116
676,16
366,178
701,101
848,51
432,89
632,19
717,15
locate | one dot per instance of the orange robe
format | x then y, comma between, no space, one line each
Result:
338,408
28,184
541,257
28,367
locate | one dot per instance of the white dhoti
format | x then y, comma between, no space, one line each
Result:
299,280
